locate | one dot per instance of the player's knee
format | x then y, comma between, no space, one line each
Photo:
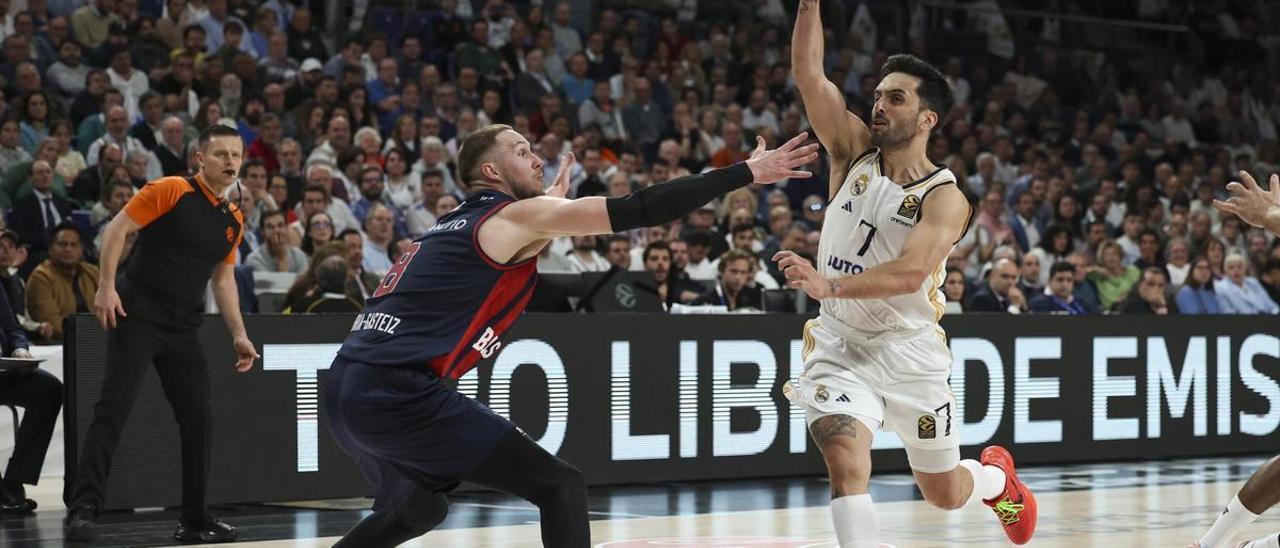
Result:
559,484
568,483
422,514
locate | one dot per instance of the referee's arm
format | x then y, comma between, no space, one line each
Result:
228,299
106,304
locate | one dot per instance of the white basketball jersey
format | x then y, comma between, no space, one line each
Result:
867,224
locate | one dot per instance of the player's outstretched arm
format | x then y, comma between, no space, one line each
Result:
940,225
844,135
1260,208
547,216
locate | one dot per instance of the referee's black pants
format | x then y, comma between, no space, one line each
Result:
179,360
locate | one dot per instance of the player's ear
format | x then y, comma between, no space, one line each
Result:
489,170
928,120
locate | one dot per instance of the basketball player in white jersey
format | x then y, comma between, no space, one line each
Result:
875,356
1260,208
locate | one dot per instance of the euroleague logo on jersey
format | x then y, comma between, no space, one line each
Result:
910,206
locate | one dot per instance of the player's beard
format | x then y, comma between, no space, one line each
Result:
530,190
893,137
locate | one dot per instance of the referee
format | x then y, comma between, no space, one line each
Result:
187,234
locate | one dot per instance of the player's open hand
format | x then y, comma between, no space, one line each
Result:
801,275
560,188
245,354
1248,201
771,166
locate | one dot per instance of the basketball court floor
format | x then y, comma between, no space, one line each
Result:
1122,505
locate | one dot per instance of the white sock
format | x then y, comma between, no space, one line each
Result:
1272,541
1234,519
855,520
988,481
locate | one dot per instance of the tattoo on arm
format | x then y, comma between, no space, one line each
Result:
830,426
806,4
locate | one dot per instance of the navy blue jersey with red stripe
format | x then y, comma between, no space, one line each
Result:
444,304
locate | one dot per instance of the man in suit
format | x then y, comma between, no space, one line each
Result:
532,84
1061,296
1026,226
37,213
87,186
1000,292
171,150
40,396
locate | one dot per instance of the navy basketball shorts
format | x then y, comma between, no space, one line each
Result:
407,430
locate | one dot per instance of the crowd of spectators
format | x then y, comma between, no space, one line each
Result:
1091,174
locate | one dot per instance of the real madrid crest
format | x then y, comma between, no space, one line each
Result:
821,395
859,185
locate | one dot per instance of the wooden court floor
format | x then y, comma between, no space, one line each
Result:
1125,505
1126,517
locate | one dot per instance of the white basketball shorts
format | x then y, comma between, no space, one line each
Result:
898,381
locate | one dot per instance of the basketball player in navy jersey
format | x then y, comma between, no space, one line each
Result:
445,305
1260,208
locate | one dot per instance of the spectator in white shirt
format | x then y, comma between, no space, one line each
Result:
131,83
1239,293
422,215
117,125
584,256
379,229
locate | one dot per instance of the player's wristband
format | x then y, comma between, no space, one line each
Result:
665,202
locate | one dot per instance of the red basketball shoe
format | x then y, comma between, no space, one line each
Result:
1016,506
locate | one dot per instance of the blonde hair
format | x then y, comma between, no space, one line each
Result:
725,209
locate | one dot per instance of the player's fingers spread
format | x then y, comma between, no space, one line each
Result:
1248,180
760,145
781,255
811,148
796,141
